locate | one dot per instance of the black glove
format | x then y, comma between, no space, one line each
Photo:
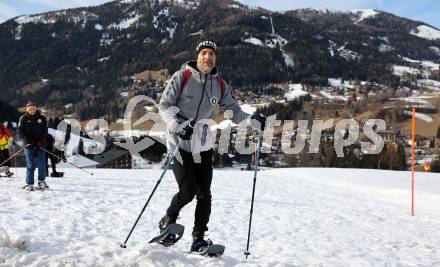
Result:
258,117
186,132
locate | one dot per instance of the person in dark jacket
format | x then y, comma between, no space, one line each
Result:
52,156
32,128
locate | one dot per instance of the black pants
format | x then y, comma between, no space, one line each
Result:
4,155
194,179
52,163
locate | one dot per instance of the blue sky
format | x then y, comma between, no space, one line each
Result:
423,10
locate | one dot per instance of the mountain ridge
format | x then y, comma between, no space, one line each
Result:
89,55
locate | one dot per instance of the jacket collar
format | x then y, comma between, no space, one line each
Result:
33,116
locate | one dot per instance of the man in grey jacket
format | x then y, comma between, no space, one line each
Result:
189,97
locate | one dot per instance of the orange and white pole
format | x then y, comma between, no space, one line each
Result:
412,158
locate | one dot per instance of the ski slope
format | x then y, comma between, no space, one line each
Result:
302,217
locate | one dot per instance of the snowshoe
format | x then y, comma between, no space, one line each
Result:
207,248
198,246
4,168
215,250
204,247
170,235
42,185
57,174
28,187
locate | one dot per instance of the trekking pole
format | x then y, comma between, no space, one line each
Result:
13,155
166,165
64,160
257,159
15,163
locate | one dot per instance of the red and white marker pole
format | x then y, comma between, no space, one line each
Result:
413,129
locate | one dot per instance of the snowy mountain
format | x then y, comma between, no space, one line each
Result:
88,56
302,217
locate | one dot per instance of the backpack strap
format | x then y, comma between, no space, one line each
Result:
221,82
186,76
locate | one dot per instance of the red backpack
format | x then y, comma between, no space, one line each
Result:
187,75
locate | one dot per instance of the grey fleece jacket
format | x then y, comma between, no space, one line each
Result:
194,102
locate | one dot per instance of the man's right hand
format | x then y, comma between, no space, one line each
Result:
185,132
35,143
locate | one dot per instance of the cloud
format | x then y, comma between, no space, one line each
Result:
57,4
423,10
19,7
7,11
330,4
50,3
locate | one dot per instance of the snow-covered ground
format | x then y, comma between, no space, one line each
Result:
302,217
413,99
337,82
295,91
429,84
364,14
250,109
328,95
424,31
424,63
419,116
254,41
126,23
347,53
404,70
